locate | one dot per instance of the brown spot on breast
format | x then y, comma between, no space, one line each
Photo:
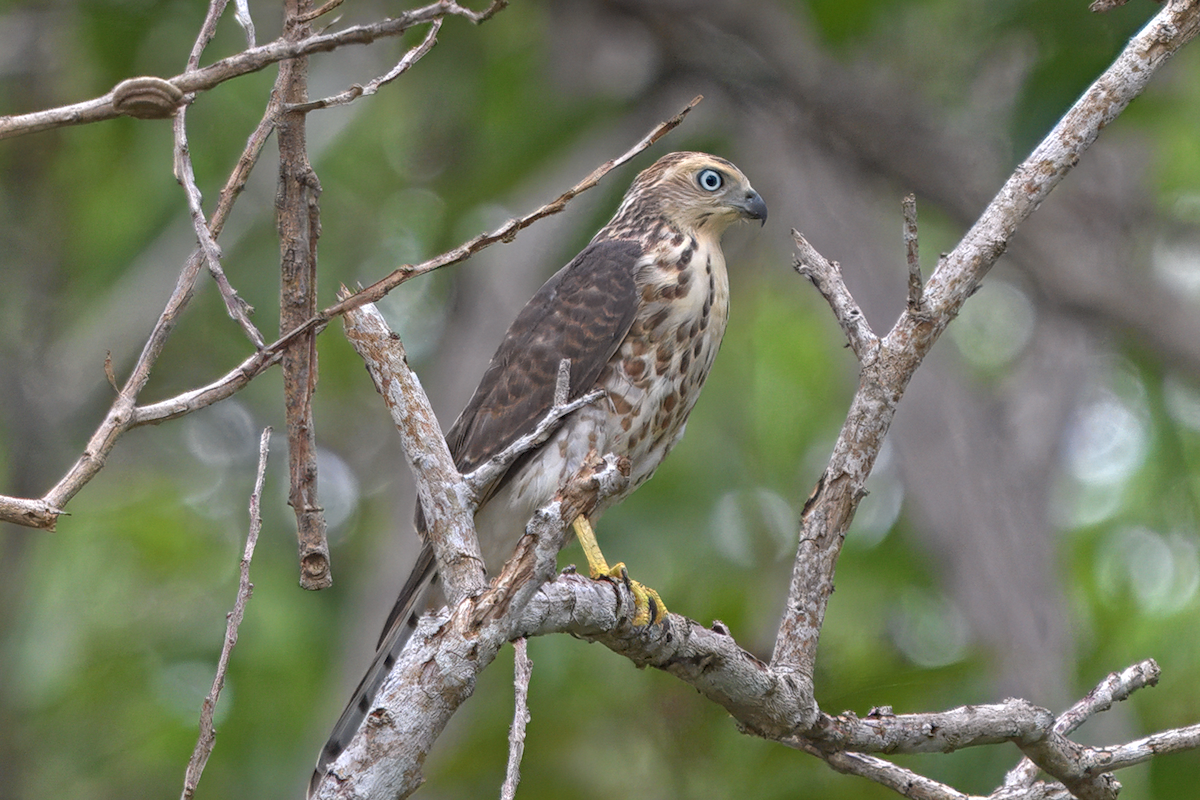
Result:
662,359
656,322
686,256
685,360
619,403
670,401
677,240
635,367
699,346
626,423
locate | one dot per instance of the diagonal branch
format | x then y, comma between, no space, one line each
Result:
208,734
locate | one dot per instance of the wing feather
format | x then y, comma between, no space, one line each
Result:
582,313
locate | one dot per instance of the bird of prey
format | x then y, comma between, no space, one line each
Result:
640,314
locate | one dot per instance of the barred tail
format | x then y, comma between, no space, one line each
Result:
399,627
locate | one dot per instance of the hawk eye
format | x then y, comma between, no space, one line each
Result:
710,180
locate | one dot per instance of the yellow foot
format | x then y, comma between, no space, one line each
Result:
648,607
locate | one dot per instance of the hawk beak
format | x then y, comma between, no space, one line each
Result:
752,206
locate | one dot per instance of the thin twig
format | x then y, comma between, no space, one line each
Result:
237,308
1116,687
208,735
309,16
507,231
356,91
522,671
826,276
208,29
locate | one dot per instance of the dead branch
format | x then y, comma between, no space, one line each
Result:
208,734
299,225
250,60
436,672
522,672
449,509
828,513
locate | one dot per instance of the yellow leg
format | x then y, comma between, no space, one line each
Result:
649,608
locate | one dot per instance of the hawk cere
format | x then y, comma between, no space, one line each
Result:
640,314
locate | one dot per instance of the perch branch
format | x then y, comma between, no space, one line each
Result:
436,672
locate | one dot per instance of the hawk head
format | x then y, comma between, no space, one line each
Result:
694,191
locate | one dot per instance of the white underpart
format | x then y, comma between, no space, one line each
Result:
502,519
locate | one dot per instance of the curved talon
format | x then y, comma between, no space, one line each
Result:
648,607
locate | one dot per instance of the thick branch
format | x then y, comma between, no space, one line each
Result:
449,511
436,672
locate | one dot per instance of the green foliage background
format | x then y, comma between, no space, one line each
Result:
112,625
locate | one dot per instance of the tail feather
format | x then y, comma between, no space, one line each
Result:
401,623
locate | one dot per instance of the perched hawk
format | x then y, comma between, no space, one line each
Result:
640,313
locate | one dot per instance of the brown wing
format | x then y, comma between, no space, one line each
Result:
582,313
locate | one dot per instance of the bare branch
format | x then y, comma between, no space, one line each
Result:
207,31
522,671
826,276
208,734
916,295
1116,687
436,672
1104,759
30,513
507,231
448,511
830,509
237,308
356,91
250,60
897,778
299,224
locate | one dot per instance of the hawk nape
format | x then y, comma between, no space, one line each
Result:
640,314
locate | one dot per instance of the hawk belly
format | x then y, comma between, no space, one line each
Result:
651,384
